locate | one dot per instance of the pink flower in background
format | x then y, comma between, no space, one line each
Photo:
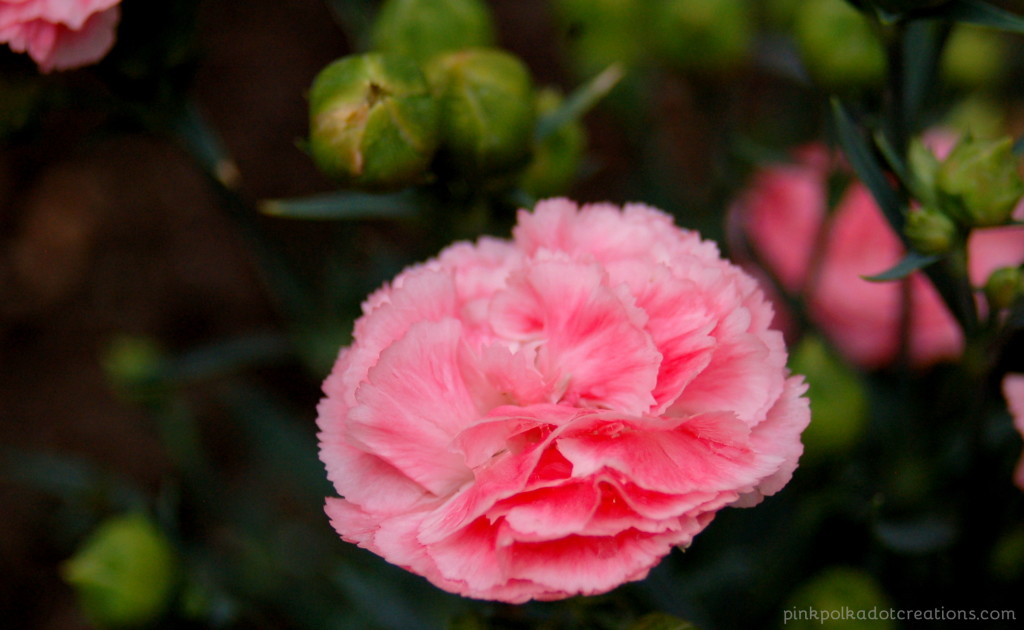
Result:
59,34
782,215
550,416
1013,390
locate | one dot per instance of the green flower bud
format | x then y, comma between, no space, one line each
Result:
487,109
1004,287
978,116
930,231
603,32
833,591
423,28
124,574
707,35
133,366
556,159
839,408
978,183
838,46
974,57
373,121
924,167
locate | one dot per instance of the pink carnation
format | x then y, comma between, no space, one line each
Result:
1013,390
59,34
783,215
550,416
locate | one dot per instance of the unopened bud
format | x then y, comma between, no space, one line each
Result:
706,35
124,574
487,109
835,589
1004,287
837,44
556,158
600,33
373,121
924,168
423,28
133,366
974,57
930,231
978,183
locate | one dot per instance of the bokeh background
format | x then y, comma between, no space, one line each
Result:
162,340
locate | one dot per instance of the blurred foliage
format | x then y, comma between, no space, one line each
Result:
904,498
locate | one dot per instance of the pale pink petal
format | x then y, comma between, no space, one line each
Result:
595,338
707,453
1013,390
549,417
413,405
590,565
59,34
779,436
550,513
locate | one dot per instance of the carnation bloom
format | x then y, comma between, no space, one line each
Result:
1013,390
59,34
824,258
550,416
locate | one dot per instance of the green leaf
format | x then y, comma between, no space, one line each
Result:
69,478
580,101
205,145
343,205
866,165
226,356
914,261
923,46
923,534
980,14
279,439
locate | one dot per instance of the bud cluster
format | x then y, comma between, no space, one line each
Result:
840,47
434,99
690,35
977,185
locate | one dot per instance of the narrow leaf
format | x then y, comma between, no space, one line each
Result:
580,101
343,205
206,146
981,13
866,165
914,261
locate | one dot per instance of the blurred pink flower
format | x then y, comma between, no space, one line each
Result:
59,34
1013,390
550,416
783,217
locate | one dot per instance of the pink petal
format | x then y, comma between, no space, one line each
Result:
413,405
700,454
595,339
1013,390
